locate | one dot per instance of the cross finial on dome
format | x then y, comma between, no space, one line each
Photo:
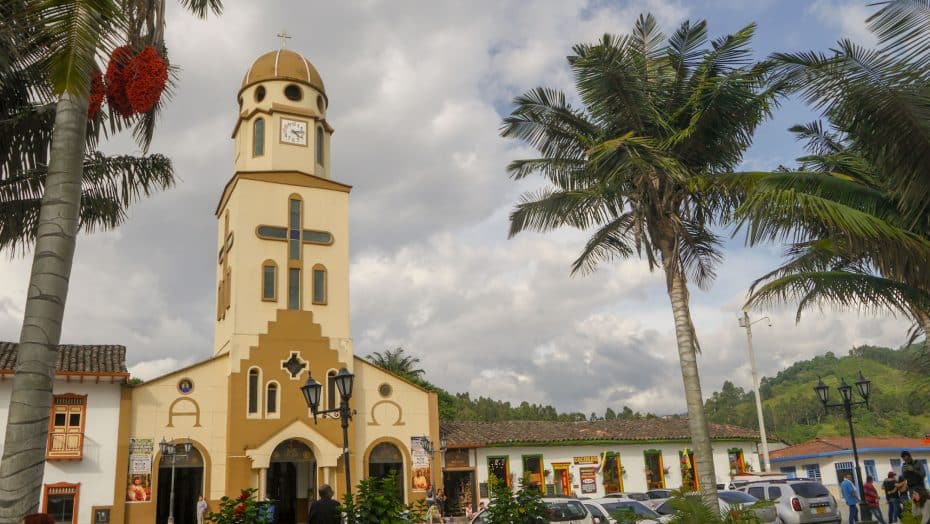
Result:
284,38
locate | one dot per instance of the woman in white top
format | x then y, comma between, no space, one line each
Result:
920,508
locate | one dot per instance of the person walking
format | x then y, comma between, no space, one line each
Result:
851,497
893,497
919,506
871,498
912,474
325,510
201,509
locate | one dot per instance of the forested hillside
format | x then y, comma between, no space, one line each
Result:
899,404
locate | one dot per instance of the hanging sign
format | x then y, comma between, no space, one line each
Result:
588,480
593,459
420,464
139,488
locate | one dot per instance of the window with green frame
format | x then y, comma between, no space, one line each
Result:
533,470
499,468
613,473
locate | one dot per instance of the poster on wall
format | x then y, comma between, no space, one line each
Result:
588,480
420,463
140,470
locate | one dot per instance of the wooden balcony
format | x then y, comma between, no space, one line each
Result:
65,446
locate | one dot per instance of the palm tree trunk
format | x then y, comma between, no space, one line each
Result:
24,447
687,356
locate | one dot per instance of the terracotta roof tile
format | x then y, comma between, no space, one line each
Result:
74,359
831,444
476,434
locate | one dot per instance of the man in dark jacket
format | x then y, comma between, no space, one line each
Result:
894,498
325,510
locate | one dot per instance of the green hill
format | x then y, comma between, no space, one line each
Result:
899,403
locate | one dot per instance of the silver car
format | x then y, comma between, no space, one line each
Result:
562,510
797,501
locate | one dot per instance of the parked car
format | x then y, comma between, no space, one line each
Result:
728,500
659,493
606,509
801,501
635,495
563,510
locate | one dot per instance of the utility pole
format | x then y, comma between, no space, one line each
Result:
745,323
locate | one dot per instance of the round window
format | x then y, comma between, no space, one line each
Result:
259,93
385,389
319,103
292,92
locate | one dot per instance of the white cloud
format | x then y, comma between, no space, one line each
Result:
849,16
417,92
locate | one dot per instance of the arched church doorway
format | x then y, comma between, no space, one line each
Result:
384,460
291,481
188,485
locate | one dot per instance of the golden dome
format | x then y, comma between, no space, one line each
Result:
283,64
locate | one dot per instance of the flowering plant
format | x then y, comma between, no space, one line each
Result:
244,509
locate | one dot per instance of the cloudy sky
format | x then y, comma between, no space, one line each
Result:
417,92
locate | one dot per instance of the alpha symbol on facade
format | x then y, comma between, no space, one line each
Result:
294,365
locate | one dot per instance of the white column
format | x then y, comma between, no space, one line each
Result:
262,483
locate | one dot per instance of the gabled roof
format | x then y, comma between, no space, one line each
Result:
826,446
469,434
72,359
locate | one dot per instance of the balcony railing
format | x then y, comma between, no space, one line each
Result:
62,445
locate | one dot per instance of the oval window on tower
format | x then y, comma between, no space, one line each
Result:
259,93
319,104
292,92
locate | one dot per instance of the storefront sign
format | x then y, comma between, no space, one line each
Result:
139,488
588,480
457,458
593,459
420,463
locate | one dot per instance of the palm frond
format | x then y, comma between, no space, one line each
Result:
201,8
843,289
111,185
903,27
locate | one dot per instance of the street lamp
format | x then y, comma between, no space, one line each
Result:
745,323
344,383
864,388
170,449
429,448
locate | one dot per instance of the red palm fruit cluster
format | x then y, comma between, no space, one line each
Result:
97,92
116,81
145,76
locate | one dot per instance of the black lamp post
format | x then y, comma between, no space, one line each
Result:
864,388
431,449
170,449
312,391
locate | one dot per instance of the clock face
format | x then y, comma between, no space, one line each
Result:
293,132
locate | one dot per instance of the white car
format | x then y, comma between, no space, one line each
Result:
606,509
563,510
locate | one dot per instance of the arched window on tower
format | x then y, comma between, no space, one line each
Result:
271,399
319,284
253,400
319,145
258,137
269,281
331,391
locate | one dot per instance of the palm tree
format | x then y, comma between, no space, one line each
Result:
659,120
397,362
56,44
856,214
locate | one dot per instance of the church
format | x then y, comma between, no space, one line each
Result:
239,419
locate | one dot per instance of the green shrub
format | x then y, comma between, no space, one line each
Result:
244,509
523,507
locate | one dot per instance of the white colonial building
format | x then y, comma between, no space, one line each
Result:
587,459
80,469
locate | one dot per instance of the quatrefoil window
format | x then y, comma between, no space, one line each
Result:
294,365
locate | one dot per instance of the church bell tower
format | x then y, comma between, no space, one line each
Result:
283,235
